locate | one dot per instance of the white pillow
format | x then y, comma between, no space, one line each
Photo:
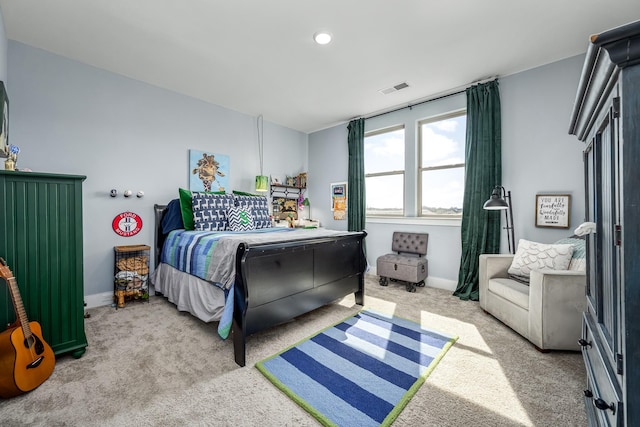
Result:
540,256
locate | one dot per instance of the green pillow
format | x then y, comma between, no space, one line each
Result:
186,208
243,193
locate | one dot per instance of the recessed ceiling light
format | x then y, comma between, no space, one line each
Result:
322,37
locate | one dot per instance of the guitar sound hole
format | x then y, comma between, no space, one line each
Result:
33,340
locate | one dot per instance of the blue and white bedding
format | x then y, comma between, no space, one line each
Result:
210,256
192,251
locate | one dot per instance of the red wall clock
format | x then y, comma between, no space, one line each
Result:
127,224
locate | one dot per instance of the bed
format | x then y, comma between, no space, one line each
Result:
249,281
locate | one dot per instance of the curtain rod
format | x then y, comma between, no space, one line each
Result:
410,106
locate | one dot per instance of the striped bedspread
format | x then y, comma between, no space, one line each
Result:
191,251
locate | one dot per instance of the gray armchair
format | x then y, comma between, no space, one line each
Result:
547,311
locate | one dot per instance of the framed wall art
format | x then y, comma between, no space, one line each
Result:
208,171
553,210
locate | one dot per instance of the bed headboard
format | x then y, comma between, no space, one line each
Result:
159,237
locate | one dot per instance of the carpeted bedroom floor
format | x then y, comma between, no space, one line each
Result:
148,365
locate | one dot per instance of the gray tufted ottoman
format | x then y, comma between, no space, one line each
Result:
407,263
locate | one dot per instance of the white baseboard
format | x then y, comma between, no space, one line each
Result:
446,284
98,300
105,298
432,282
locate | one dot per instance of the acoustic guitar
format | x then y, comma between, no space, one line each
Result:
26,360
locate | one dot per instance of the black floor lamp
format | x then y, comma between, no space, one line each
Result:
501,200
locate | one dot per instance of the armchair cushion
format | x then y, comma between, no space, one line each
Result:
540,256
511,291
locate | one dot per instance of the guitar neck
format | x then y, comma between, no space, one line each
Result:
18,306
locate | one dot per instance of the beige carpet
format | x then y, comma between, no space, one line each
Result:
150,365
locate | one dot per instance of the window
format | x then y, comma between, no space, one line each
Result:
384,171
441,168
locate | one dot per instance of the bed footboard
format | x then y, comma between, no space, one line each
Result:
278,281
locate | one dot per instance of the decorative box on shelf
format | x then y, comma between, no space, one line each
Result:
131,274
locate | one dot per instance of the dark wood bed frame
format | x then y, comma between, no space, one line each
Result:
276,282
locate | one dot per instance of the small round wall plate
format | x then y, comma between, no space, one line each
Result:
127,224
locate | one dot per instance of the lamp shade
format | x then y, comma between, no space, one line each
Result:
262,183
496,202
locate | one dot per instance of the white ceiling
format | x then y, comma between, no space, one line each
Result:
258,56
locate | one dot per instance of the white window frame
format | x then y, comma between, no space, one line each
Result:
422,168
391,172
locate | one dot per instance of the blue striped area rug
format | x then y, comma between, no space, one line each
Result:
361,372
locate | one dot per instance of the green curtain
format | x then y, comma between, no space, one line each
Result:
355,185
480,232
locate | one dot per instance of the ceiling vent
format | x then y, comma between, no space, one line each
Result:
395,88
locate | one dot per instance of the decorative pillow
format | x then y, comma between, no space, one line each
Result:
244,193
186,207
244,201
240,219
258,205
211,220
539,256
172,219
261,217
579,257
209,211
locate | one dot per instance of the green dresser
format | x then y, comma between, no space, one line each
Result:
41,240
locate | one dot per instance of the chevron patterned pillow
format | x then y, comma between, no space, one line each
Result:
240,219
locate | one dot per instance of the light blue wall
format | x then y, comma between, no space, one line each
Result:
329,158
68,117
3,51
538,156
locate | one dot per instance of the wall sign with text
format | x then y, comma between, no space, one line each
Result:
553,210
127,224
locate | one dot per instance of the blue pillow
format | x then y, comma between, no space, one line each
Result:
209,211
261,217
257,205
172,219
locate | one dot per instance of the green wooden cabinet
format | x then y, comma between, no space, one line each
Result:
41,240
